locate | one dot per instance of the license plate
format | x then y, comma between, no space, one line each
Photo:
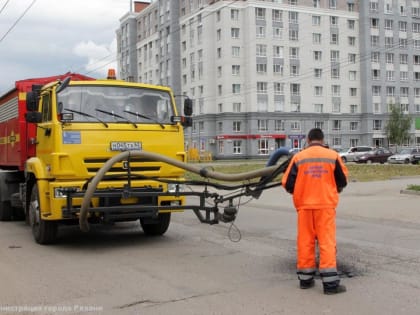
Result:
125,146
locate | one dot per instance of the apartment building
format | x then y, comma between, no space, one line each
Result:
390,64
262,73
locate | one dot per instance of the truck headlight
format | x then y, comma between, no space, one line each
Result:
62,192
172,188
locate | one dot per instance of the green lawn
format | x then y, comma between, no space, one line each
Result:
357,172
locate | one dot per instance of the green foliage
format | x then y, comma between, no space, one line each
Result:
398,126
413,187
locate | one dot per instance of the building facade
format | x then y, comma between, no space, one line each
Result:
262,73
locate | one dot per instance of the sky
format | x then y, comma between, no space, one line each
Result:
57,36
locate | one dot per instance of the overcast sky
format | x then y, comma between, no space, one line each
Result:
57,36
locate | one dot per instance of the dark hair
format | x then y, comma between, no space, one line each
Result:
315,134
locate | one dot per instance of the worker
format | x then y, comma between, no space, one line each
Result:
315,177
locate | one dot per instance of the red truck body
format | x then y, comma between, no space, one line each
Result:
16,136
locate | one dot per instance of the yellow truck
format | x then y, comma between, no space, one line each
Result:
66,130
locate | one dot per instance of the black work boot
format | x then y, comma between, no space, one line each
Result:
306,284
333,288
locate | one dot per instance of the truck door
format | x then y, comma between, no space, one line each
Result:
46,133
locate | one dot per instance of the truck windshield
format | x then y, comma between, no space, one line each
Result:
151,106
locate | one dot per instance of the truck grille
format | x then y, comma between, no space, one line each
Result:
136,165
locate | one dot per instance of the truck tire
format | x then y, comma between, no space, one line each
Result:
157,226
44,232
5,211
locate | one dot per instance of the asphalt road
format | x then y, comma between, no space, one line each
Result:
200,269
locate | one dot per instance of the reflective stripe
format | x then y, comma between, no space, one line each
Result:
306,274
315,160
329,275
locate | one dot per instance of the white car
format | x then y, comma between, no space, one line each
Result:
405,156
349,155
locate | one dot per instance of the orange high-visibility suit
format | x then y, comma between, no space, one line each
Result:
315,176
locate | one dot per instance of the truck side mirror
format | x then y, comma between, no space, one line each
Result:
188,107
33,117
32,101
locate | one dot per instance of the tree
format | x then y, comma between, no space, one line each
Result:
398,126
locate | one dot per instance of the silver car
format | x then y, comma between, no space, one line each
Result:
348,155
405,156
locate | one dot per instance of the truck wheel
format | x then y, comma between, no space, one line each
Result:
44,232
5,211
155,227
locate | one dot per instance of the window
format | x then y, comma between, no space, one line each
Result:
417,92
318,73
234,14
376,90
294,53
316,3
236,69
221,147
260,31
389,42
220,126
316,38
336,125
318,108
261,50
295,89
236,107
234,31
294,70
236,126
377,124
335,56
295,107
316,20
373,5
404,91
352,58
295,125
219,52
389,58
354,108
334,39
374,40
390,75
405,108
352,41
402,25
262,124
351,24
236,88
260,13
219,71
293,35
277,15
415,27
278,51
317,55
261,67
279,125
237,144
333,4
403,75
278,88
235,51
219,90
376,108
390,91
354,125
352,75
262,87
319,124
353,92
335,73
279,105
220,108
219,34
277,33
318,90
293,17
374,57
376,74
389,24
403,59
374,23
416,59
263,146
333,20
278,69
403,42
335,90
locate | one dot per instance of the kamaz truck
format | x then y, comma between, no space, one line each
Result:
57,133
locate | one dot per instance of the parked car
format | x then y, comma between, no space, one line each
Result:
348,155
416,158
378,155
405,156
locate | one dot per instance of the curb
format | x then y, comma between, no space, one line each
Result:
409,192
